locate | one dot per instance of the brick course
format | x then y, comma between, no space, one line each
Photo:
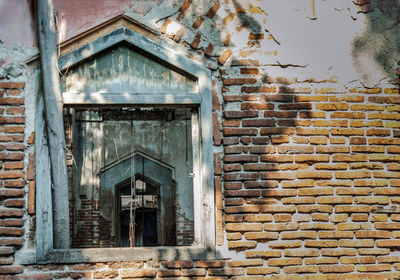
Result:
306,175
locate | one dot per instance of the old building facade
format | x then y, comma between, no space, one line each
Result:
254,139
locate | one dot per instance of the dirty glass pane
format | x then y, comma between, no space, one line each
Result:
130,166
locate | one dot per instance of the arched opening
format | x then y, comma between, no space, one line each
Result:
144,211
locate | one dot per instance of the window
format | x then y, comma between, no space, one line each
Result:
122,77
131,176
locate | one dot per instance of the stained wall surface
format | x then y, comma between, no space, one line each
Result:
306,135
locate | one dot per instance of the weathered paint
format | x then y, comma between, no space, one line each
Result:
126,71
101,143
76,17
17,23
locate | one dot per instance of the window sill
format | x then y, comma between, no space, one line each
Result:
124,254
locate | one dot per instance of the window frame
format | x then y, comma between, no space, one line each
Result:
203,185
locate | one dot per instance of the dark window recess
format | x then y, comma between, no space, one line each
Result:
131,176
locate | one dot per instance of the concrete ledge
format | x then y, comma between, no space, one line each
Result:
128,254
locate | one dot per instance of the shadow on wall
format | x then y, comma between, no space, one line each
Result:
377,47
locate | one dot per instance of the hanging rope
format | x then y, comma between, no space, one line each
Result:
133,189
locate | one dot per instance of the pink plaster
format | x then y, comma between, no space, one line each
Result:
75,17
17,23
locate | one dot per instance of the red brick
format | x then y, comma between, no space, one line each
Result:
196,41
209,50
12,85
209,264
213,9
198,22
7,213
11,101
240,114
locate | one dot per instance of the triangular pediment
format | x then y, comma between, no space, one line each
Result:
122,69
131,65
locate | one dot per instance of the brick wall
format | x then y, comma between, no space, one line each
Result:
17,185
306,174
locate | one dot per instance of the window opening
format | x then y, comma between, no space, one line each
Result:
132,184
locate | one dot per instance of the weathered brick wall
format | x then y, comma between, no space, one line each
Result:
17,185
310,176
307,171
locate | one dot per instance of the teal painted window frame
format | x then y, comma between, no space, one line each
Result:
203,185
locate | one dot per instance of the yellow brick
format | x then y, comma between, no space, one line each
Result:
339,218
263,254
367,251
384,116
314,208
353,175
335,200
356,243
348,226
386,174
335,234
357,260
284,244
337,140
298,200
312,131
372,200
388,243
285,262
317,226
376,234
379,218
366,165
241,245
243,227
353,191
262,270
279,208
393,108
330,166
358,107
322,217
281,226
302,253
332,106
360,123
371,183
391,91
347,131
245,263
392,124
347,98
299,235
313,175
260,236
321,244
233,236
297,184
262,218
352,209
338,252
300,269
374,268
336,268
368,149
326,260
282,218
318,140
